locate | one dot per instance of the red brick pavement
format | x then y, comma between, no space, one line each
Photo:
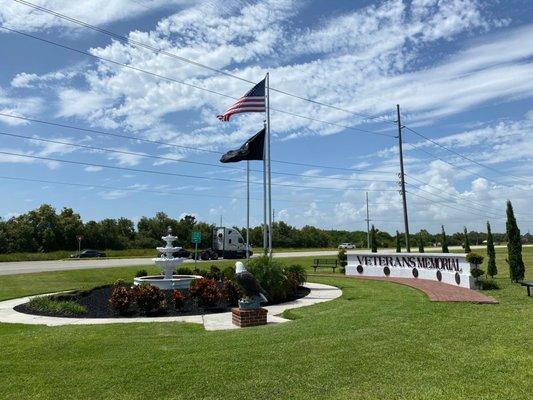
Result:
438,291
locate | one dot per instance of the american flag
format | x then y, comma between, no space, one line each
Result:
252,101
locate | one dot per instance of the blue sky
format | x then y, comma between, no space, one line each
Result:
461,70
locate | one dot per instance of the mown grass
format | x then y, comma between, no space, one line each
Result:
378,341
50,305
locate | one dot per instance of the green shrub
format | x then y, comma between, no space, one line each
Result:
231,292
477,272
206,292
489,284
140,273
48,304
271,276
184,271
228,273
343,260
149,299
297,273
121,299
475,258
214,273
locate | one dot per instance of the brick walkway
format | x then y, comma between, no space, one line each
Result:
438,291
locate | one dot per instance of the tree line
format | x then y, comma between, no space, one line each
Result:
44,230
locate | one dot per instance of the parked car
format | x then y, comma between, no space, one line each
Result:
346,246
88,254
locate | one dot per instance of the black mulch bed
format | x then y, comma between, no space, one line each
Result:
96,301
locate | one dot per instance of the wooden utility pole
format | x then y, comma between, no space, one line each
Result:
402,180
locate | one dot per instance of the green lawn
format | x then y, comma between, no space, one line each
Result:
379,341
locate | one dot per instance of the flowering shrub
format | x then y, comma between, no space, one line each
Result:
149,299
121,299
179,299
231,292
206,292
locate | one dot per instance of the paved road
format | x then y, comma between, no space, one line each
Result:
26,267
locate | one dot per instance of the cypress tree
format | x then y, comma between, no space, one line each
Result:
467,242
491,266
444,241
373,241
420,243
514,246
398,245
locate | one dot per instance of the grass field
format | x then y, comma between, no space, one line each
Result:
378,341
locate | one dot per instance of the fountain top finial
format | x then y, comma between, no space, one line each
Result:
169,230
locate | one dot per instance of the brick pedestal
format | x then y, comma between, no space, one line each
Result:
245,318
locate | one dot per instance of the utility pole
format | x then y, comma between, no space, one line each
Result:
402,180
367,224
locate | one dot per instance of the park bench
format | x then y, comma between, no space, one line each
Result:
325,262
528,285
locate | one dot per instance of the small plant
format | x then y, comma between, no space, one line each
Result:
477,272
342,257
149,299
48,304
475,258
228,273
297,273
272,277
206,292
214,273
231,292
140,273
184,271
119,282
179,299
489,284
121,299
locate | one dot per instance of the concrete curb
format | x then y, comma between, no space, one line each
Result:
212,322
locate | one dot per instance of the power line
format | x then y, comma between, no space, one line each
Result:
183,175
136,189
449,206
186,83
454,196
465,157
173,159
161,143
156,50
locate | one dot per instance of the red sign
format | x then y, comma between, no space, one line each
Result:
79,237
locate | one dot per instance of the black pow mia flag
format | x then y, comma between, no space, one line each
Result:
253,149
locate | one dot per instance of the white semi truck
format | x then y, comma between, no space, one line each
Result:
229,243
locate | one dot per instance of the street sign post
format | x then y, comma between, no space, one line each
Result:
196,238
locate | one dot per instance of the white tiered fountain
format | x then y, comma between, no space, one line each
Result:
168,263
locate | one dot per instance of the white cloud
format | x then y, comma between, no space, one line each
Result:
19,16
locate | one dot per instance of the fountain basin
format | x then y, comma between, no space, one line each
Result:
176,282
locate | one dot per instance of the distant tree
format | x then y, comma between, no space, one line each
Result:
467,242
444,241
491,265
514,246
398,245
373,240
420,242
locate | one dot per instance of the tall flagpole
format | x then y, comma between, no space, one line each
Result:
269,170
247,209
265,238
